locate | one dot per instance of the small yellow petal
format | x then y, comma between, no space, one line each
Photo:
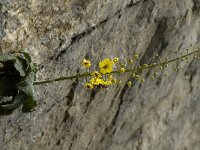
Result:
96,74
115,60
86,63
89,86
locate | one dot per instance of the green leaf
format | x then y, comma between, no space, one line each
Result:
29,104
19,66
27,56
16,79
8,86
6,57
16,102
27,87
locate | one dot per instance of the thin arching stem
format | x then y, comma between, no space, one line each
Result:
117,71
62,78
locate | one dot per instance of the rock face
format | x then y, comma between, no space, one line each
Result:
163,114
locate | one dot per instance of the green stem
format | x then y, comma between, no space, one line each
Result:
115,72
62,78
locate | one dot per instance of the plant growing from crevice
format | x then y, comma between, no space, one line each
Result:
18,75
109,70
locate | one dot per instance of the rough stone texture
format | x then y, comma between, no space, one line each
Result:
158,115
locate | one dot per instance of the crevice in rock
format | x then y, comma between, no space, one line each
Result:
196,6
72,141
111,129
155,45
115,96
70,95
74,39
132,3
144,14
78,37
89,144
58,142
92,97
66,116
191,72
119,106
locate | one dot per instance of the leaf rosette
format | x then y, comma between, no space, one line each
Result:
17,75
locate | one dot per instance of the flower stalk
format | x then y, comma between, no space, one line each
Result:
106,68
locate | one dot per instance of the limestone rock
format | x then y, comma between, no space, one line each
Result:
157,115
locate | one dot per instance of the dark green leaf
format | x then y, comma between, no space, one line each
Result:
16,80
6,57
19,66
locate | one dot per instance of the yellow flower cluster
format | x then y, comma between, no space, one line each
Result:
100,82
103,76
100,78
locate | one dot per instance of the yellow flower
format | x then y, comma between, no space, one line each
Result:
92,80
99,81
96,81
115,60
86,63
89,86
96,74
106,66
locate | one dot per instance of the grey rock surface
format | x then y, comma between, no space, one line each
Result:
157,115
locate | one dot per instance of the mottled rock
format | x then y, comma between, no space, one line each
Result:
157,115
